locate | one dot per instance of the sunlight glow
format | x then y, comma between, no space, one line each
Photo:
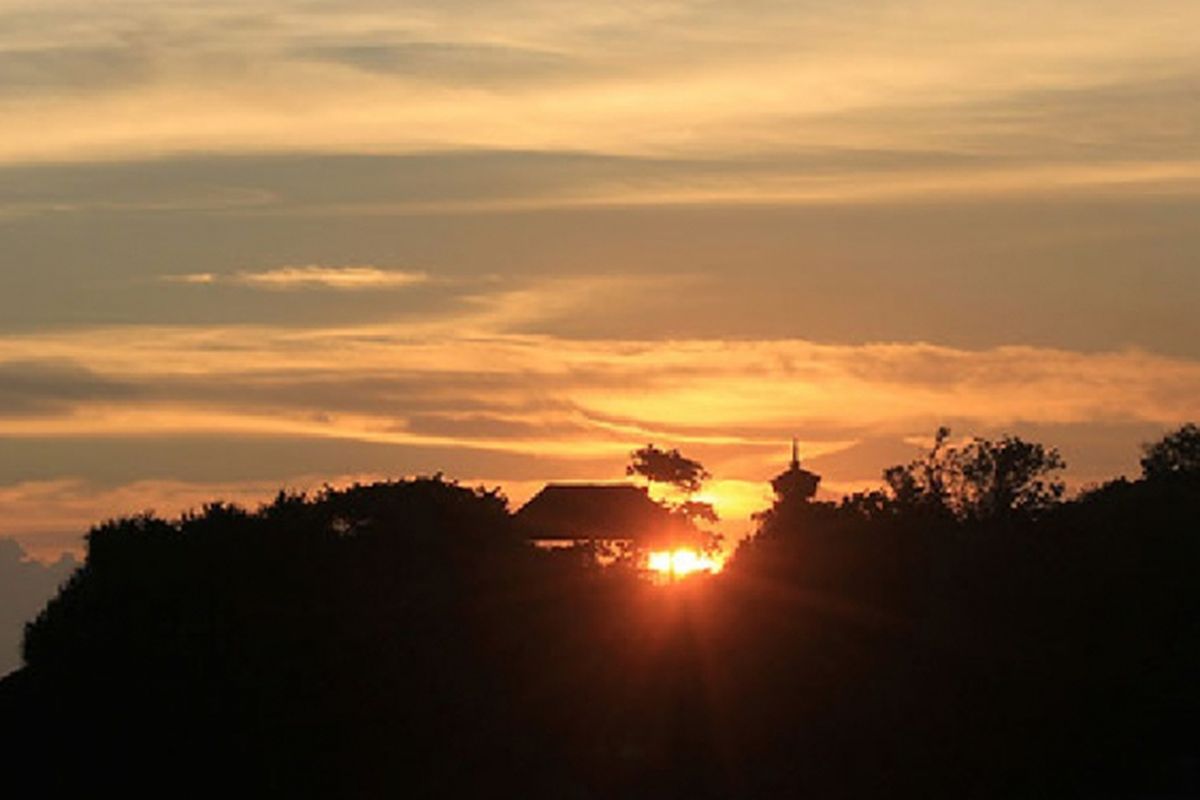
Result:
682,562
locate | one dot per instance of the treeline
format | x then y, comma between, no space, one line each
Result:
964,632
996,640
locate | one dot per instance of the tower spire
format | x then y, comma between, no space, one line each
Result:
796,483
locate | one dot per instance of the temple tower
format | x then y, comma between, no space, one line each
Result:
795,483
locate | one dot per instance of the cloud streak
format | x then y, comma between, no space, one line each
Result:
770,79
524,393
348,278
483,359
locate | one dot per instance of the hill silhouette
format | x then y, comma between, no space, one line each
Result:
965,633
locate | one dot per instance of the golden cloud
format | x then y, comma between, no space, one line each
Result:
348,278
1023,93
592,396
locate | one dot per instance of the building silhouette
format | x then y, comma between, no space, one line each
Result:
594,513
795,484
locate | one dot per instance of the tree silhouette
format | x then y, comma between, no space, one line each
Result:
686,476
1177,453
669,467
698,511
999,479
981,480
404,638
921,486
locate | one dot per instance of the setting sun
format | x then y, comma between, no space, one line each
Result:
682,562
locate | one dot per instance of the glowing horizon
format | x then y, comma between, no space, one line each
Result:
265,245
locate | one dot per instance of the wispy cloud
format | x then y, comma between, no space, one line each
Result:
351,278
193,279
971,78
477,376
526,394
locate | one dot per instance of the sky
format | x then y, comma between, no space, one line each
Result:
254,245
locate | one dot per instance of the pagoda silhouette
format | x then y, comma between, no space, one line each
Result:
795,484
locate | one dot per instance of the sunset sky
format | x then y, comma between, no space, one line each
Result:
249,245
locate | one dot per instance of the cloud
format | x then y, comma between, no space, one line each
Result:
35,386
349,278
54,70
469,382
357,278
449,62
1041,92
192,279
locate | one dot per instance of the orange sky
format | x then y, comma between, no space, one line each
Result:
249,245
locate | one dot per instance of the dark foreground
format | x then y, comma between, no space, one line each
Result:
402,640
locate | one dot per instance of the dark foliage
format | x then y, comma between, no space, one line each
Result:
401,640
685,475
982,481
669,467
25,583
1175,455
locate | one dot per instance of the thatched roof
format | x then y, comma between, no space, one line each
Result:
597,511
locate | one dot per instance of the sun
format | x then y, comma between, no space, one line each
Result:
681,562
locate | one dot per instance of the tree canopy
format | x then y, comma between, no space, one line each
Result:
669,467
1177,453
983,479
996,479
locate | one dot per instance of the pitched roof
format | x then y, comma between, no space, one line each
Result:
596,511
